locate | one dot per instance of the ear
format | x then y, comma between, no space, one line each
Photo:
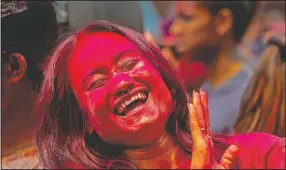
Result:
17,67
224,21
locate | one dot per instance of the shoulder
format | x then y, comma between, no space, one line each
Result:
261,150
258,142
256,136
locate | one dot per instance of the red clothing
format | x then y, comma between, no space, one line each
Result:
260,150
256,151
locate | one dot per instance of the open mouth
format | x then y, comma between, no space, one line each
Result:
132,102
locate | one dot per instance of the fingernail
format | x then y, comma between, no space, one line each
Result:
235,143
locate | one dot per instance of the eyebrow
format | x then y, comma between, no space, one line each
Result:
99,70
118,56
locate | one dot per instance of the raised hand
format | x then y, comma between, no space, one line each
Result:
203,150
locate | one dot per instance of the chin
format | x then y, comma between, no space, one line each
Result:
138,135
142,126
144,136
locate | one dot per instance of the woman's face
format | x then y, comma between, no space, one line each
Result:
193,27
196,40
124,96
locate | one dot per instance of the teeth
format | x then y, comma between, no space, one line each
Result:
138,96
127,102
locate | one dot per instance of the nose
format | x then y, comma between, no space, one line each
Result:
122,85
175,28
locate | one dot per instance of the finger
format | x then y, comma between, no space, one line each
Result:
199,109
174,161
225,164
204,100
229,157
194,122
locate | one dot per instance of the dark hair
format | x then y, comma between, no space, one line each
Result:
61,135
242,11
31,33
263,104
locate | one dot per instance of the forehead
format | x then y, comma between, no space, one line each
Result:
188,6
100,46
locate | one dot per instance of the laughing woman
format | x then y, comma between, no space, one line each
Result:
109,99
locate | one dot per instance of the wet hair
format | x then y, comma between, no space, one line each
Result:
242,11
61,136
263,104
30,33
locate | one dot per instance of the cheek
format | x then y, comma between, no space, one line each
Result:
145,73
5,77
5,88
97,112
198,30
153,80
94,105
4,83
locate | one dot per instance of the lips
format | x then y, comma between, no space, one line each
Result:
128,103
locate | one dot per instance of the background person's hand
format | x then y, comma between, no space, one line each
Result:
203,150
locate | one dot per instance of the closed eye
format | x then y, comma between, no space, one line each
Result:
97,84
129,64
185,17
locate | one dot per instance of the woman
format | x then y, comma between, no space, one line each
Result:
100,100
29,30
207,34
263,105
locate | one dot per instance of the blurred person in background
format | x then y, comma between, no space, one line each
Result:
207,34
263,105
28,30
61,8
275,21
157,18
268,21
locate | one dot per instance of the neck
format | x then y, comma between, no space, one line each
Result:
17,132
224,67
156,155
